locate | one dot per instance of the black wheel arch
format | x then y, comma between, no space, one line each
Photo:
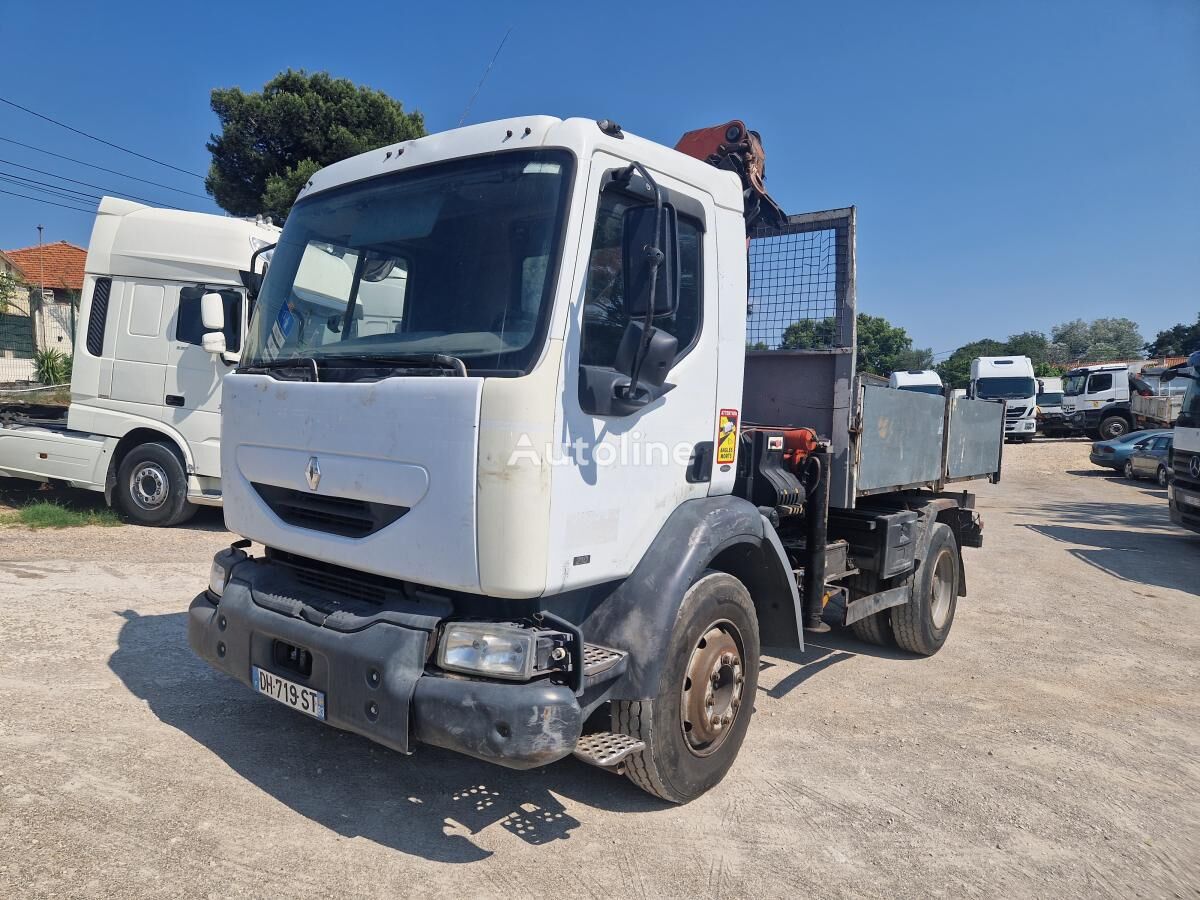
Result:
725,534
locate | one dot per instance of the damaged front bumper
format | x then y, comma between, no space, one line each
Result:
374,672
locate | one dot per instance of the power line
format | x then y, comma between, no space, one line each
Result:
103,169
90,212
30,184
87,184
98,139
486,73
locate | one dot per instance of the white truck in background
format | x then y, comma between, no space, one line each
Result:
1107,400
144,421
923,381
1052,420
1009,379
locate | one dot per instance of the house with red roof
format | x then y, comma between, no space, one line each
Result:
53,272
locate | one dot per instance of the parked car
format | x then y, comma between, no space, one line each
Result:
1150,459
1113,453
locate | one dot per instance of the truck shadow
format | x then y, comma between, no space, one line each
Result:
1140,544
431,805
834,647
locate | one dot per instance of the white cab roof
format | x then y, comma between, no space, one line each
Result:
581,136
133,240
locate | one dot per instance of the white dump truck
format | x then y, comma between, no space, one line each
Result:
556,506
143,425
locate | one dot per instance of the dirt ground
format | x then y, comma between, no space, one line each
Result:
1051,748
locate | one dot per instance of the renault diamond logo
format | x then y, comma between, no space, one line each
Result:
312,473
1194,466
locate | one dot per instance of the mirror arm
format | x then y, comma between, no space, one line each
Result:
654,255
251,292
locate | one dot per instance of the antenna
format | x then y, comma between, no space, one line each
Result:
486,72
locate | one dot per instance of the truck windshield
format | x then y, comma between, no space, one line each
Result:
1073,385
457,258
1189,413
1049,399
1005,388
922,388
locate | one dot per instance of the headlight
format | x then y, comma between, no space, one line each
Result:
222,566
501,650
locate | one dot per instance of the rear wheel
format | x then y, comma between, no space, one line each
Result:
923,623
697,721
152,486
1162,476
1113,427
1130,472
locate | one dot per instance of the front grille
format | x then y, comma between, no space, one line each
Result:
1016,412
335,580
333,515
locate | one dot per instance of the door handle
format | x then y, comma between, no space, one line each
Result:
174,400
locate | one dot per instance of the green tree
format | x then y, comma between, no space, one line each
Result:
1102,339
955,370
1178,340
882,348
272,140
9,288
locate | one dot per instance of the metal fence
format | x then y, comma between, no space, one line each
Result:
802,283
27,326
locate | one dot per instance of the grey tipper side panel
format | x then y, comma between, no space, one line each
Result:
640,614
901,440
976,433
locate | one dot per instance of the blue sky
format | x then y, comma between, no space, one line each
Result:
1014,164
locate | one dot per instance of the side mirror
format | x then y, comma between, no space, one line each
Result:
638,256
212,312
658,359
213,342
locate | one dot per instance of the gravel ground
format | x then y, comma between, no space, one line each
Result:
1052,747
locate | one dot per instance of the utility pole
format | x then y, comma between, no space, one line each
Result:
41,297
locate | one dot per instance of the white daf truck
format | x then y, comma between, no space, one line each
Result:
554,506
1009,379
144,424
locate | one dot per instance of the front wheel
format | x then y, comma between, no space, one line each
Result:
695,725
923,623
152,486
1113,427
1130,473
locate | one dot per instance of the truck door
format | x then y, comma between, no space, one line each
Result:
140,350
628,472
193,380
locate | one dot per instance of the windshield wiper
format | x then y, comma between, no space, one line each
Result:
403,361
292,362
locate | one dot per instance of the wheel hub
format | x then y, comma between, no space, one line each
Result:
148,486
712,689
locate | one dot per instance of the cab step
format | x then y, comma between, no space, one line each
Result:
597,659
606,748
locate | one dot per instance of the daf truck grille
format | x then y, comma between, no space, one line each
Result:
333,515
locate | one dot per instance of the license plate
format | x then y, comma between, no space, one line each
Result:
289,693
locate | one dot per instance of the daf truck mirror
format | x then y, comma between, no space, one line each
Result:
641,250
213,342
212,312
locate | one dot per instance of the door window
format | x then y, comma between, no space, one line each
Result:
604,315
1101,381
190,328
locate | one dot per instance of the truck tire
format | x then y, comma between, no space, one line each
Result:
152,486
695,725
1113,427
876,629
923,623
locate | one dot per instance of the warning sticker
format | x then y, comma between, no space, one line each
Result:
727,436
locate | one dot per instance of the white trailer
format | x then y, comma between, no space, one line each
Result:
144,421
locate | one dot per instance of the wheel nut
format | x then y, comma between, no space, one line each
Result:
715,722
728,718
726,659
716,678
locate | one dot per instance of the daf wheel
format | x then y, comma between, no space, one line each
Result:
1113,427
695,725
152,486
923,623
